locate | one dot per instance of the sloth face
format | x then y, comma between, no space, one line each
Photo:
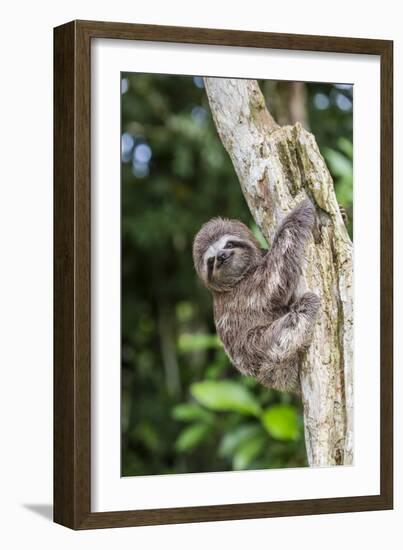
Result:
226,261
223,252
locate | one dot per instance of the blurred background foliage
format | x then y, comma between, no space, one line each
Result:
184,407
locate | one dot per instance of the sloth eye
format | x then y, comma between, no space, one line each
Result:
229,244
210,262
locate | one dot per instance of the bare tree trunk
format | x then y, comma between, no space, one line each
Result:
278,167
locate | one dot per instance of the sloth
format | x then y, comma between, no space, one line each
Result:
262,322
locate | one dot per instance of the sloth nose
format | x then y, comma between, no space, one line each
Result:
222,256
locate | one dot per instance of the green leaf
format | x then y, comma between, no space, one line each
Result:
345,146
191,411
198,342
225,395
339,165
281,421
191,437
233,439
248,451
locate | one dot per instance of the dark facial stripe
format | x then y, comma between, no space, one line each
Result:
210,266
239,244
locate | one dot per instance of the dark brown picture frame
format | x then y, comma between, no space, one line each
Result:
72,266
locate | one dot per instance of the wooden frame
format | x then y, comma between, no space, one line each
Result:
72,320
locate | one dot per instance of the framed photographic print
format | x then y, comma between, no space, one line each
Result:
223,275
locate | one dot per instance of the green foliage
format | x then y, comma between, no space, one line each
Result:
281,422
225,395
197,342
243,443
340,163
191,437
248,451
331,122
190,411
238,437
184,407
262,241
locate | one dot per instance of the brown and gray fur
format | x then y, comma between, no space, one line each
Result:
262,322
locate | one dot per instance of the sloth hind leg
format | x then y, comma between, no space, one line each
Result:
283,340
293,332
282,377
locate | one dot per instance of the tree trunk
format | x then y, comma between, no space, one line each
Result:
277,168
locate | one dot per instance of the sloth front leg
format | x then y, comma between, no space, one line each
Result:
285,259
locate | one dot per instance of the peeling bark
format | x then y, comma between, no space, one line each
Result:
277,168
